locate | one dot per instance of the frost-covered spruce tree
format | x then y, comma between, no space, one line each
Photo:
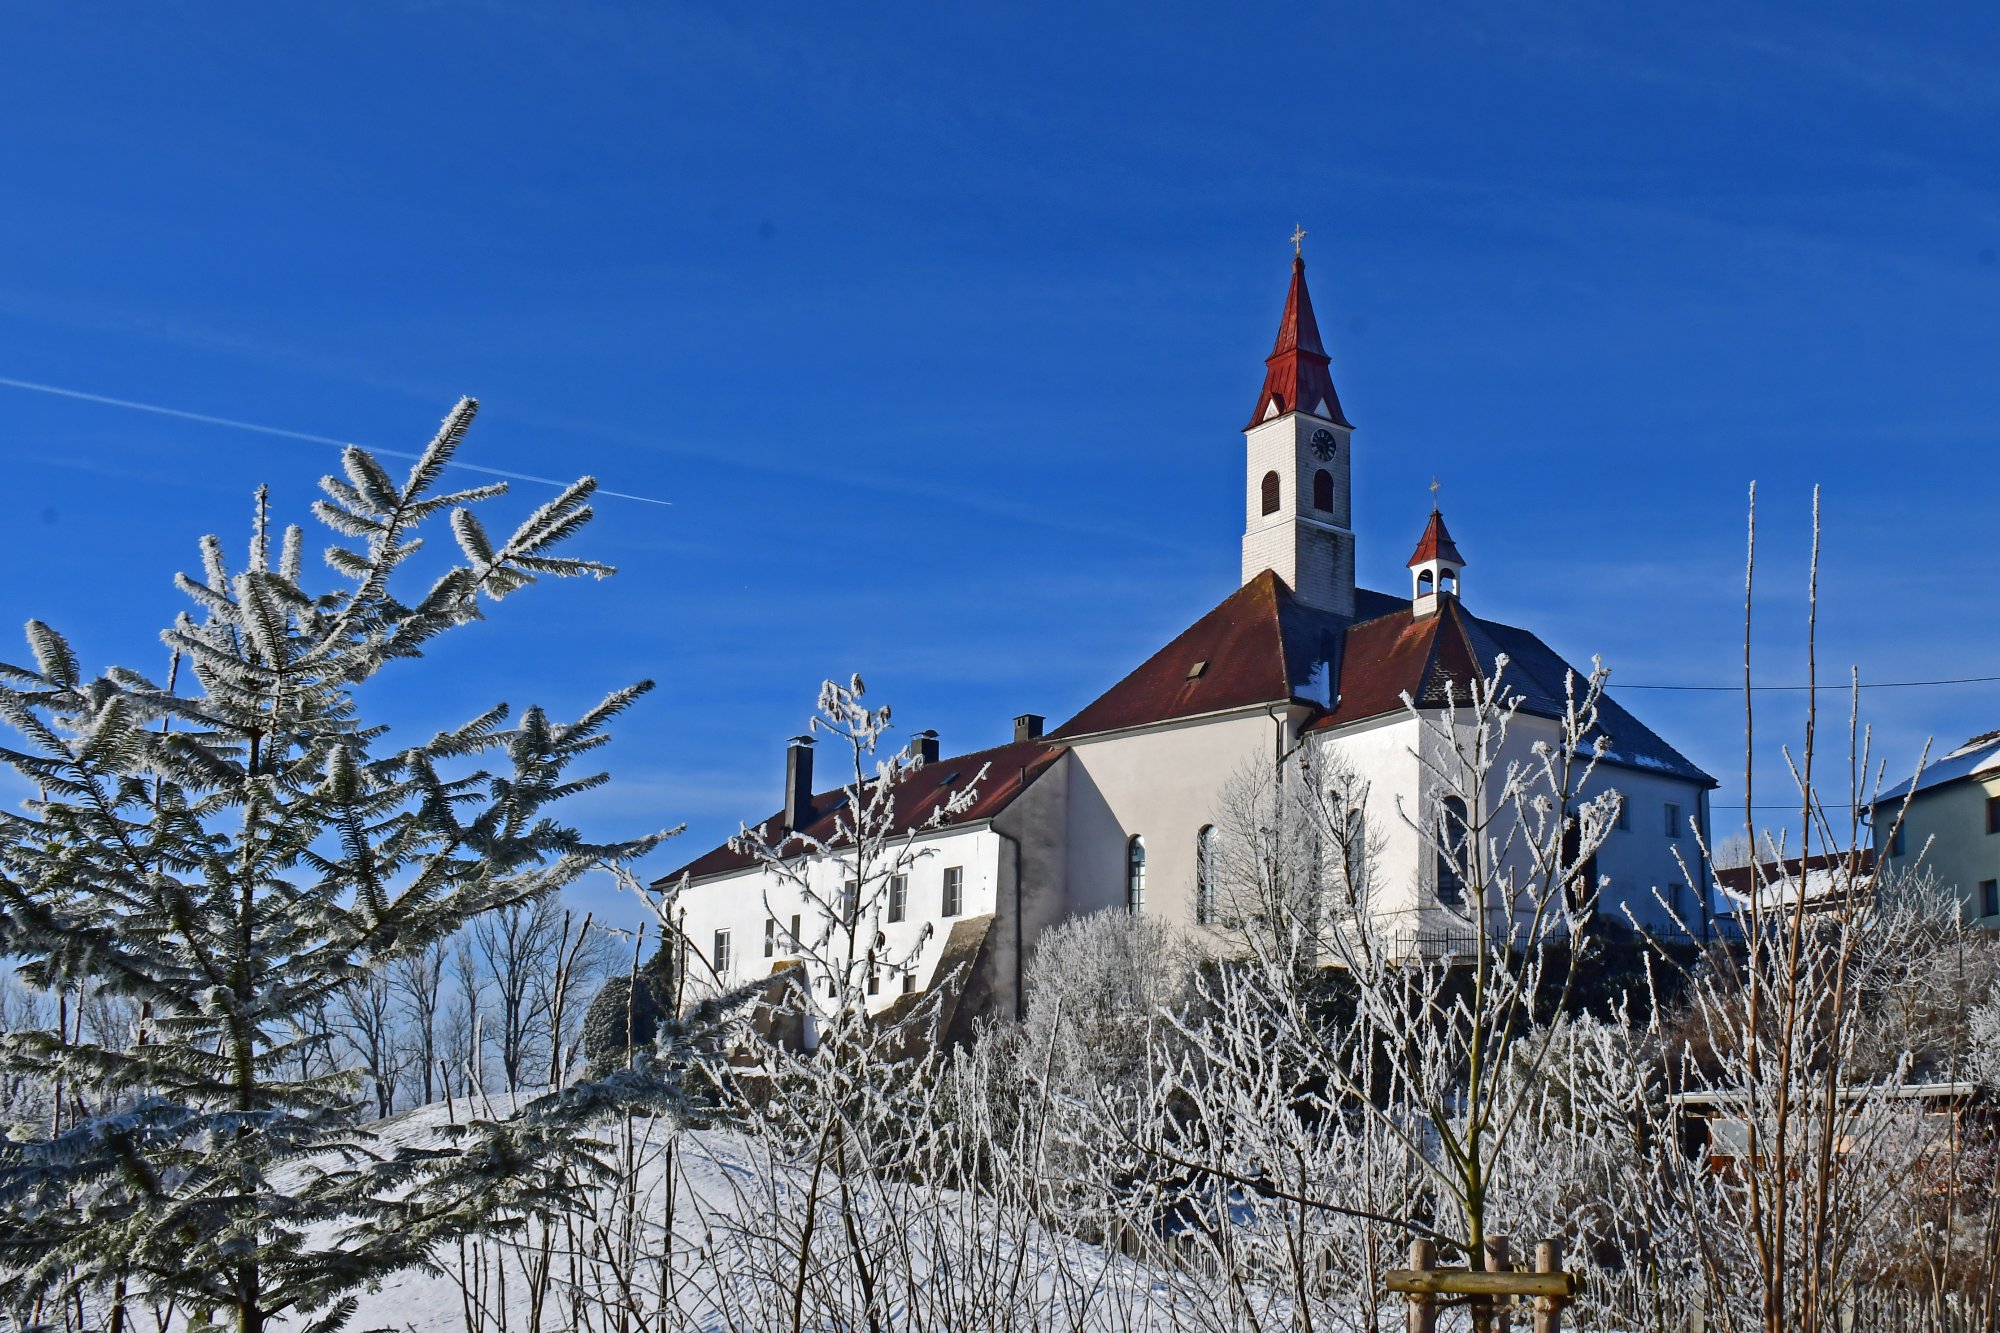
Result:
233,848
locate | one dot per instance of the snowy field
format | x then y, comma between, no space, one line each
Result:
718,1252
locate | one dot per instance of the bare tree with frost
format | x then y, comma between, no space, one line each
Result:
236,846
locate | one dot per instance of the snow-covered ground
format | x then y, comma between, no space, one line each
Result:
724,1258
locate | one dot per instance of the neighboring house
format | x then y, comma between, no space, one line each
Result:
1117,807
1951,826
1824,880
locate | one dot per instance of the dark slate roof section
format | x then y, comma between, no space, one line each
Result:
1434,660
1010,770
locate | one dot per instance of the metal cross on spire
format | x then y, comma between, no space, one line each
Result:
1435,483
1298,239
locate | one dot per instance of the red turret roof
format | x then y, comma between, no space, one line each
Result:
1436,544
1296,372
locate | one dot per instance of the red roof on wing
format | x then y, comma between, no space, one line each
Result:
1436,543
1009,771
1296,374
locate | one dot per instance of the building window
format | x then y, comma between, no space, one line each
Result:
1582,884
1989,897
1896,840
1677,903
796,945
1993,814
874,975
850,902
770,937
1204,876
719,959
1453,843
1135,875
954,890
1673,820
1270,492
909,982
1624,821
899,897
1323,491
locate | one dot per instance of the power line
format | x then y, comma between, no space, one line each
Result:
1866,685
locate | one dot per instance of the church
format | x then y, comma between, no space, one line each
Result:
1117,807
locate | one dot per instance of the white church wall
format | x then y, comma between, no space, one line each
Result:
1637,859
1383,751
1162,784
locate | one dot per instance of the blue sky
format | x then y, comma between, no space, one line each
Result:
937,324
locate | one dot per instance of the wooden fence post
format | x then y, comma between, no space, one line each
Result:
1422,1315
1499,1259
1548,1313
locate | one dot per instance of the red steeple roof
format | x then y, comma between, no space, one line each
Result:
1436,544
1296,372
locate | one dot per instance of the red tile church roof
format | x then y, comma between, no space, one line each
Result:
1296,373
1009,771
1436,543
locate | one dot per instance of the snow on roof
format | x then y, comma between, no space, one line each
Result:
1976,757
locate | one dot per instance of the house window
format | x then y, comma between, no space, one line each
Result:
1677,903
1451,849
954,890
874,975
1989,897
850,901
1673,820
1135,875
1323,491
1270,489
795,934
1624,821
1204,876
909,982
770,937
1582,870
719,958
1896,841
1993,814
899,896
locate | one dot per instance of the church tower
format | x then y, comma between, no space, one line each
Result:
1298,511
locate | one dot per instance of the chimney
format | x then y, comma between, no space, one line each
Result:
798,782
1028,727
924,747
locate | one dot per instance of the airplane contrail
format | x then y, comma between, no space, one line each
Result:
283,434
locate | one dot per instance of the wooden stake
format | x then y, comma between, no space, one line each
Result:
1548,1313
1422,1315
1499,1259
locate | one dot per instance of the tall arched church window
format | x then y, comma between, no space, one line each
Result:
1453,842
1135,875
1204,876
1270,492
1323,491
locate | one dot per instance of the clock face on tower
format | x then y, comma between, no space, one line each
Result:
1323,442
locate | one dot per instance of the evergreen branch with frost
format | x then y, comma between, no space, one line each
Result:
236,848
